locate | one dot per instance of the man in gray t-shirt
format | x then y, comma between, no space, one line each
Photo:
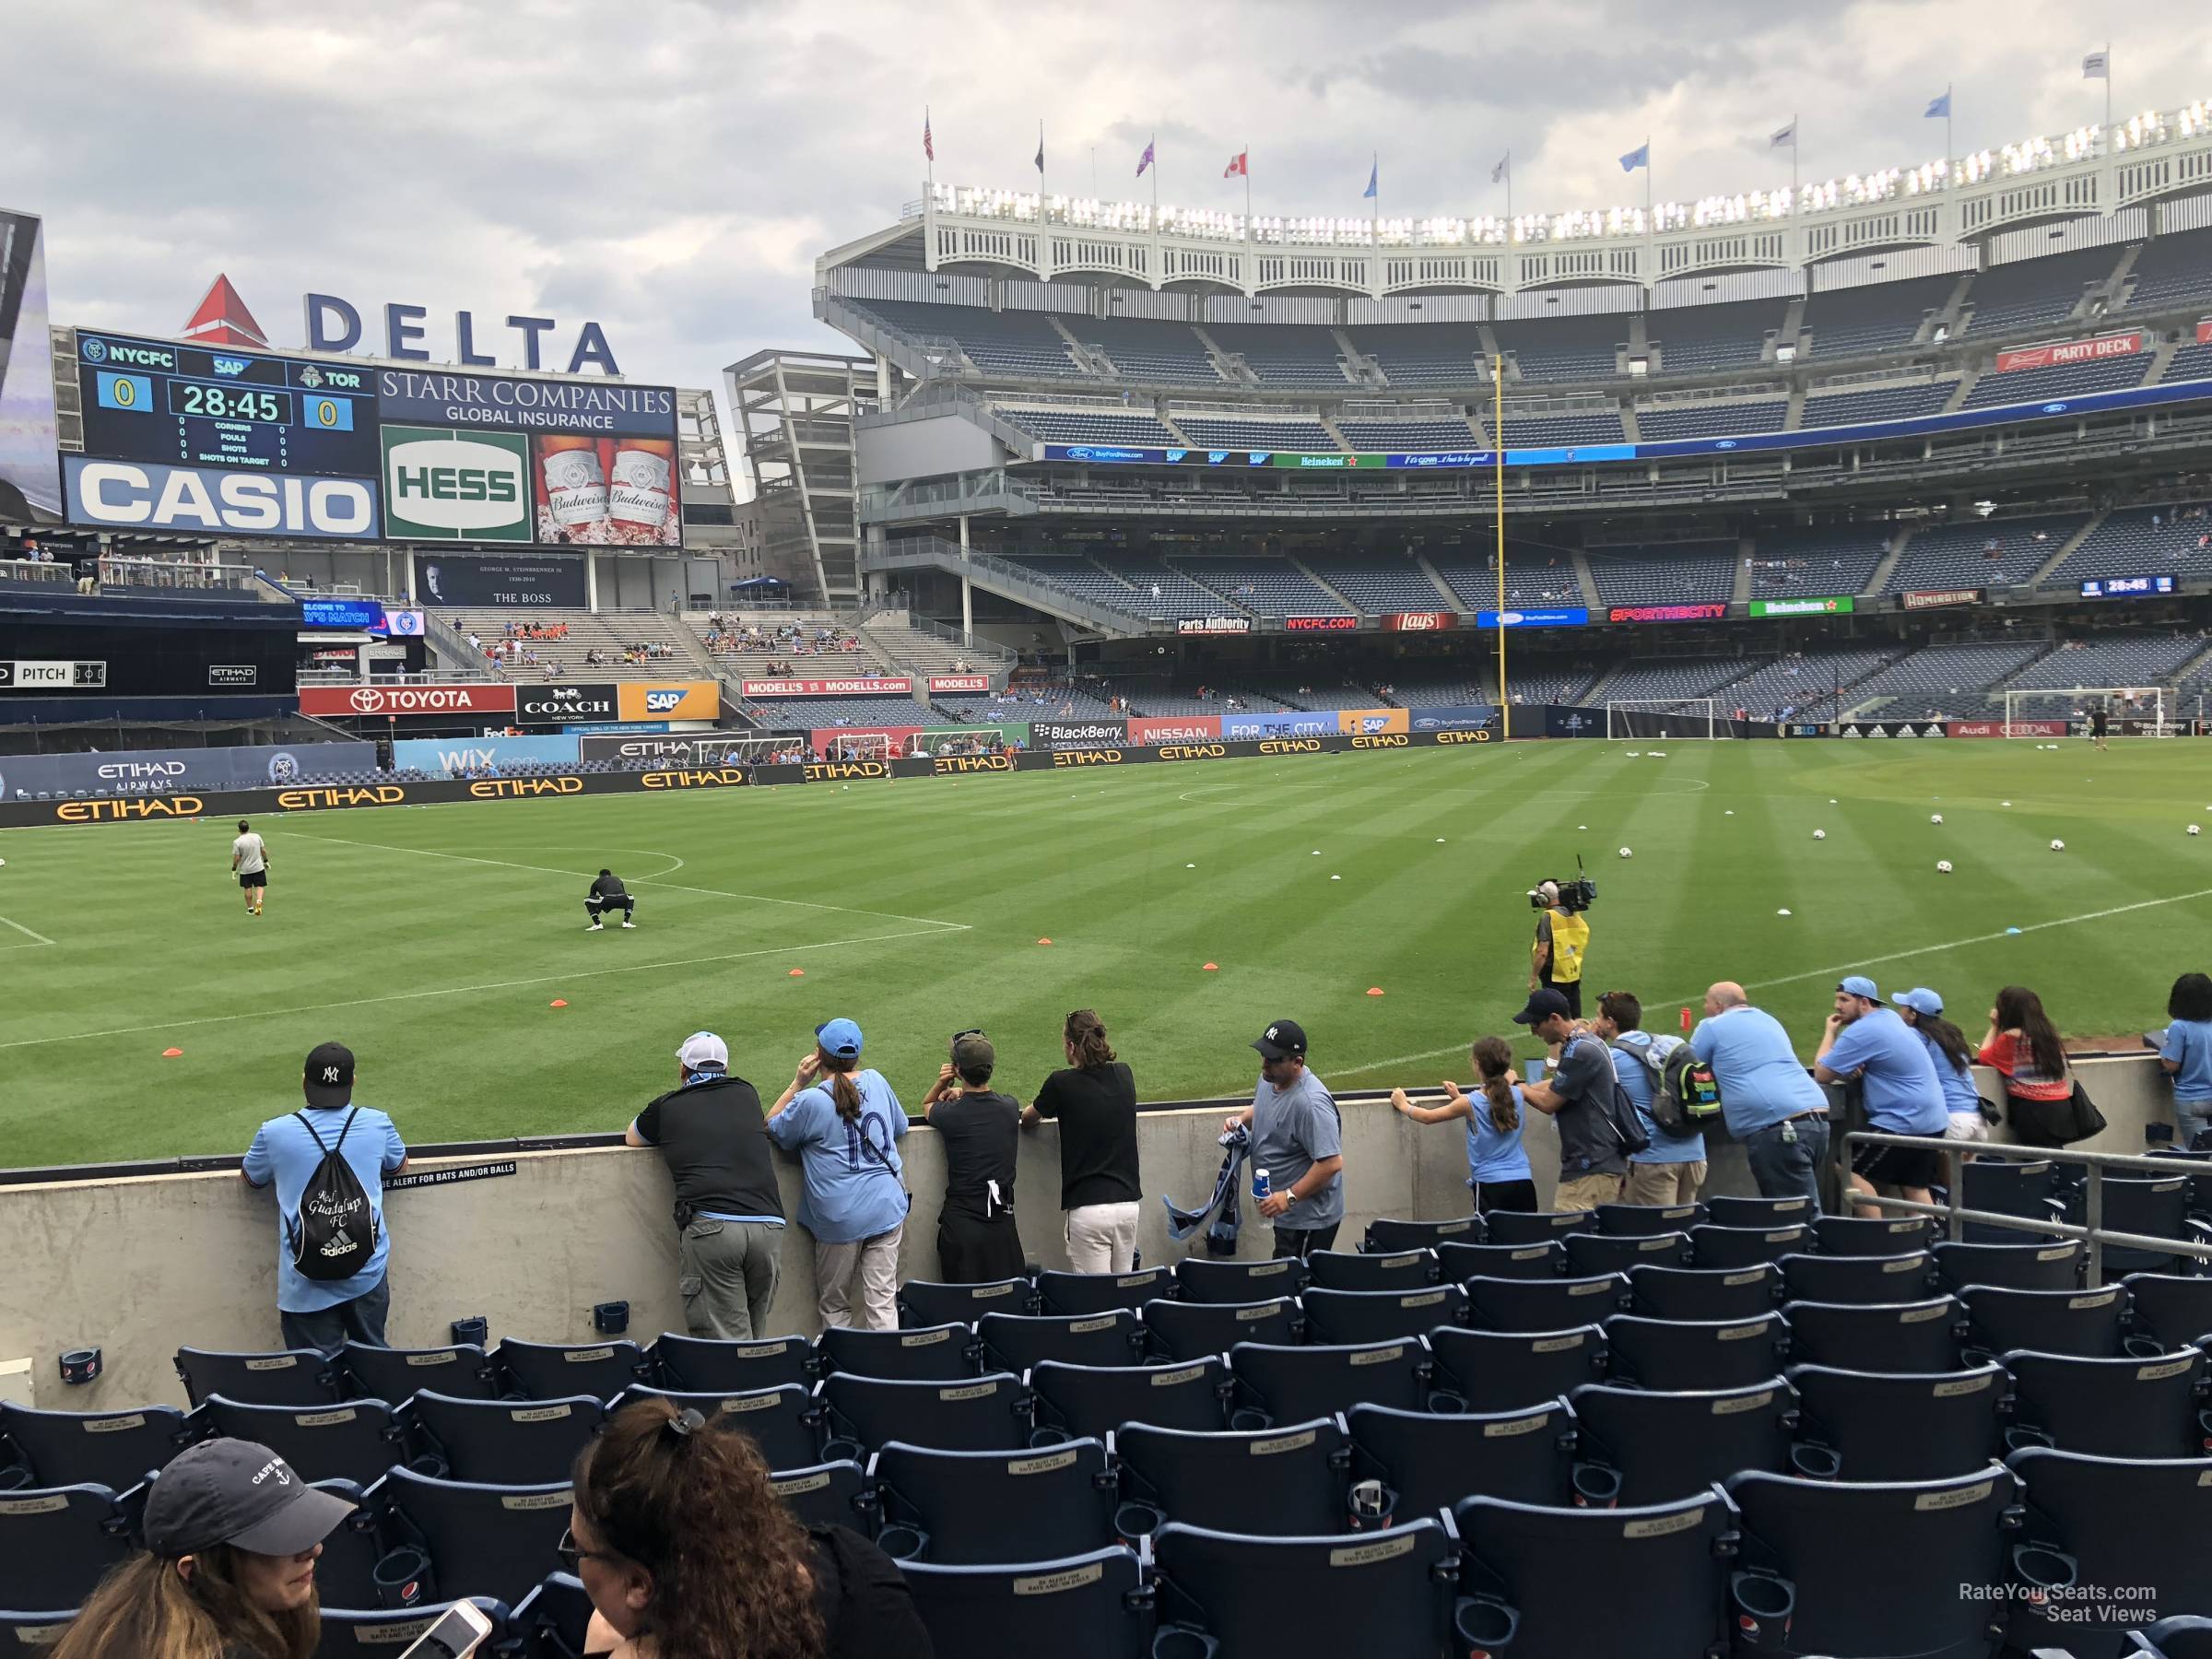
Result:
1297,1137
1594,1166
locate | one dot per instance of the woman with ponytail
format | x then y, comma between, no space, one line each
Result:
1497,1170
688,1553
842,1122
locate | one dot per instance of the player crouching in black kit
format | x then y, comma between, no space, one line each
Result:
608,893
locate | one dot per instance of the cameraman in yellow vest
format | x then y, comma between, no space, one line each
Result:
1562,943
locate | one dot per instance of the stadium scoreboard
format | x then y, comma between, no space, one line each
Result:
183,406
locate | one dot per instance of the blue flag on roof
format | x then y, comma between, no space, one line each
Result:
1639,157
1374,173
1939,108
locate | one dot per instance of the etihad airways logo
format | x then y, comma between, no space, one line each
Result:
143,807
708,777
949,764
1477,737
1087,756
508,789
1193,751
310,800
1381,740
829,772
1289,745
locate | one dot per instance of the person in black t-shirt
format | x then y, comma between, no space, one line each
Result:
977,1239
729,1213
1095,1101
608,893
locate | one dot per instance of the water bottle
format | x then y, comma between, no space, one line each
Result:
1260,1187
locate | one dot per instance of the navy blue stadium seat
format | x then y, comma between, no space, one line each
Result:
1903,1426
1431,1460
285,1377
1724,1211
1887,1336
1712,1245
1506,1370
1635,1446
1539,1261
971,1508
507,1442
1079,1401
1385,1237
1873,1568
1589,1253
1191,1330
1557,1304
1873,1235
2004,1187
353,1439
2111,1407
554,1370
57,1542
1704,1292
1014,1342
2155,1208
928,1303
2187,1636
2095,1529
981,1414
1087,1607
2055,1265
352,1634
1350,1270
1572,1583
1298,1384
1384,1596
1285,1481
550,1622
701,1365
1643,1220
782,1422
114,1449
482,1539
1856,1279
346,1570
1075,1293
926,1354
1676,1355
1533,1227
2092,1324
1200,1280
2167,1308
1347,1317
827,1494
459,1372
33,1631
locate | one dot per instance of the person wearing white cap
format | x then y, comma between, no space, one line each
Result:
1922,1010
729,1212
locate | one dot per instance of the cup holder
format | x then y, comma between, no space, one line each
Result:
1482,1625
1815,1463
1761,1598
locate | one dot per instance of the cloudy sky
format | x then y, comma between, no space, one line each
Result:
672,170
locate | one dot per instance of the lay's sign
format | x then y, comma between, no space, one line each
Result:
667,699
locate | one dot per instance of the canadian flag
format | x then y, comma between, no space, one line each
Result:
1240,165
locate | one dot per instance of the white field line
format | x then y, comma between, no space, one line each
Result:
36,939
1895,955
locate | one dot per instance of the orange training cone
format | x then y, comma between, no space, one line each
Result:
559,1002
1044,941
1375,990
172,1054
1211,967
798,973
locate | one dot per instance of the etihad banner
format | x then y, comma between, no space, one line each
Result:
1353,723
1936,598
167,771
1419,621
1181,728
959,682
406,702
1708,611
670,699
2070,351
831,687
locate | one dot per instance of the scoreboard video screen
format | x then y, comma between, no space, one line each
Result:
185,405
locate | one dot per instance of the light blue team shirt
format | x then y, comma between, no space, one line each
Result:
1762,1081
1902,1095
1292,1130
284,1151
2190,1041
1636,1081
1496,1155
1960,1097
850,1195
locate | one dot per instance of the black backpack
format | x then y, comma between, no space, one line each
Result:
1686,1095
337,1233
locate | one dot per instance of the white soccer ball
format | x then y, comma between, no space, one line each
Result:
2193,829
2058,846
1820,835
1942,867
1781,912
1935,817
1626,854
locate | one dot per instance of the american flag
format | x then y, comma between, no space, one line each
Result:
929,144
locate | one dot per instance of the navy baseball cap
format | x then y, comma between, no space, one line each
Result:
236,1492
328,1079
1858,985
838,1037
1283,1040
1543,1004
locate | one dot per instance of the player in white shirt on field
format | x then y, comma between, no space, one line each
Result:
249,859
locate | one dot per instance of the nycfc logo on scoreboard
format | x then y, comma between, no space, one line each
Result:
452,486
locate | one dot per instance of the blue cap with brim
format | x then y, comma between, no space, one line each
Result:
838,1037
1920,1000
1858,985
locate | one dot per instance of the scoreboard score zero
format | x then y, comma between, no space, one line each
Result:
183,406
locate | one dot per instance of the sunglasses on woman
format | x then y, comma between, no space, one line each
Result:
571,1553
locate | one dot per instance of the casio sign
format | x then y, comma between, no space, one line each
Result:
191,498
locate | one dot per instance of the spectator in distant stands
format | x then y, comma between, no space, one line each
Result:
1768,1099
229,1569
981,1131
323,1314
1672,1169
687,1552
855,1203
1297,1137
1094,1101
1580,1096
2023,1044
729,1214
1971,1115
1863,1039
1497,1171
2186,1055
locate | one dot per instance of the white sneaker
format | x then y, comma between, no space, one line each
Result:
627,924
593,927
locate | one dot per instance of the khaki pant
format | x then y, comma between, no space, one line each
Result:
726,1275
1587,1191
1102,1238
1664,1184
875,1261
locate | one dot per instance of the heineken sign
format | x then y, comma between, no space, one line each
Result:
1803,608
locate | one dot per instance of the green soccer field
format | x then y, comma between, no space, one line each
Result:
435,940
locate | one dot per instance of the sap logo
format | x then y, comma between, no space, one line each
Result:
1463,737
1374,723
93,812
184,497
1259,457
1175,455
1215,457
1381,740
665,700
232,366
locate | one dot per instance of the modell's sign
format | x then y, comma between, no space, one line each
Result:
1419,621
832,688
1214,625
2070,351
959,682
406,700
1936,598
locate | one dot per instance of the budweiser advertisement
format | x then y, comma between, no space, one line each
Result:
405,702
1419,621
959,682
1708,611
831,687
1164,728
1935,598
2070,351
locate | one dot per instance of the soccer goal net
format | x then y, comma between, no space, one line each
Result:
2130,712
1664,717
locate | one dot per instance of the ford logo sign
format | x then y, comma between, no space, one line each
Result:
1508,618
1726,443
2056,408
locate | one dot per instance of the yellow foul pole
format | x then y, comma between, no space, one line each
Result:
1505,719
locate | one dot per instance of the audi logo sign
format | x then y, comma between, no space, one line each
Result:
396,700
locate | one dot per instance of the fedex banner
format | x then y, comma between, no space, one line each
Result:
2070,351
959,682
460,756
1419,621
1707,612
406,701
836,687
1185,728
1280,725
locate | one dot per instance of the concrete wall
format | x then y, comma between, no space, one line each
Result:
141,1266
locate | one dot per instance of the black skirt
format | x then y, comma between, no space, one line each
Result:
971,1250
